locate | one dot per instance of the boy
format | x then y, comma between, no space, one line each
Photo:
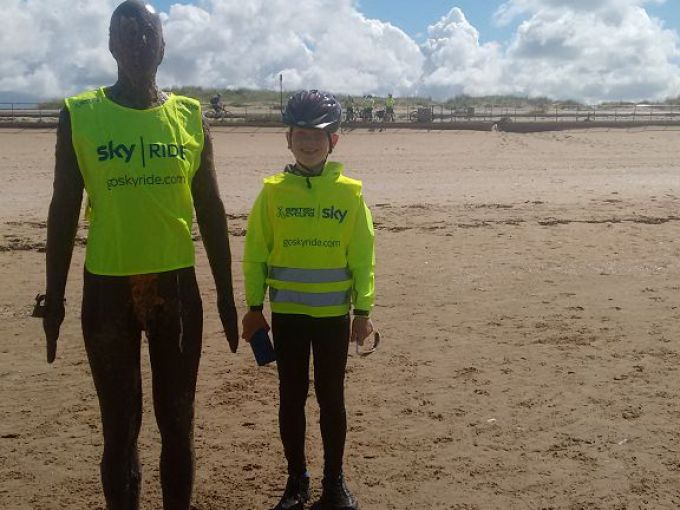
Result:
310,240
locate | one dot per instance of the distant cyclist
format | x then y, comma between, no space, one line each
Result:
217,104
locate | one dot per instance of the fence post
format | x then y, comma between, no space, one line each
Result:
556,117
12,112
634,112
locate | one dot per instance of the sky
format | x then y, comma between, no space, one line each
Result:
587,50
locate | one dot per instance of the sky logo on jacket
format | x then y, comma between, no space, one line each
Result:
110,151
333,213
124,152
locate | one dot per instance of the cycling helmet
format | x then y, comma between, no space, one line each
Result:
314,109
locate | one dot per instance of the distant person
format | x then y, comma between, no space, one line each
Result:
349,109
368,106
216,103
310,240
389,108
144,158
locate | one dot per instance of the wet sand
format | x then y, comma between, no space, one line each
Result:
527,299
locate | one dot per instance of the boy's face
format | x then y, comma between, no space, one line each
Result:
310,146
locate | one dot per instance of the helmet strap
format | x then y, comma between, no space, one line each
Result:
330,143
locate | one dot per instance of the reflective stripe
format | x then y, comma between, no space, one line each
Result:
309,298
292,274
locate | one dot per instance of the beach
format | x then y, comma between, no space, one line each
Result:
527,293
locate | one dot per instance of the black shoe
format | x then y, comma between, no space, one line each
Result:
336,496
296,494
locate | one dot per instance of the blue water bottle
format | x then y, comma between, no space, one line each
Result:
262,347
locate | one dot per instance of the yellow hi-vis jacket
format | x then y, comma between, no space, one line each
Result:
311,241
137,167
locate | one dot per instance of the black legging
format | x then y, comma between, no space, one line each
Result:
329,340
115,311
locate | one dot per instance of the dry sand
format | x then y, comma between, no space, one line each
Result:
527,297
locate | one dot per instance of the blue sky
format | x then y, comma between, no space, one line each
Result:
669,12
414,16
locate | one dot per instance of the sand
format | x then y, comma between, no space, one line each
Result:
527,299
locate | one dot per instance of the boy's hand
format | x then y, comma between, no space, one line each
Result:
253,321
229,318
362,328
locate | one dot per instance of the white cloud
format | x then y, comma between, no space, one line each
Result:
511,9
582,49
594,50
456,63
51,48
232,43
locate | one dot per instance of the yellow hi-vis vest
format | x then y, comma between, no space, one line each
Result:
137,166
311,241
